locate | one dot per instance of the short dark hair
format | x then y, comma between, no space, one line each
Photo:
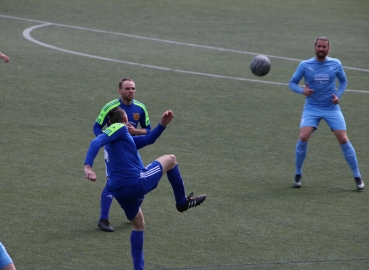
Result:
321,38
123,80
116,115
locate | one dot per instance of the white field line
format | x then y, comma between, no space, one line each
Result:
27,35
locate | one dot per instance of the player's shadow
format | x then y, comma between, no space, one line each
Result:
123,226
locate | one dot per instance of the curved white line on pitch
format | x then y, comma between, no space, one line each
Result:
27,35
165,41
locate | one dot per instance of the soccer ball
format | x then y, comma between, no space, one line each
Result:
260,65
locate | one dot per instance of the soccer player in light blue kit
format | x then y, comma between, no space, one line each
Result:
128,181
322,99
137,115
6,262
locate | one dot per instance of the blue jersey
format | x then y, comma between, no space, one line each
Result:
321,77
136,113
122,160
4,257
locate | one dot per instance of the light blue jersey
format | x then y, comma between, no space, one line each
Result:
321,103
4,257
321,77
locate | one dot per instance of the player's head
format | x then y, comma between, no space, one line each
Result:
127,89
321,48
117,115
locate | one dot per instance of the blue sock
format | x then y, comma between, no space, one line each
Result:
105,203
350,156
175,179
137,241
300,154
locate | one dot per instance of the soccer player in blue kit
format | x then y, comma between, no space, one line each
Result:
137,114
128,181
6,262
322,99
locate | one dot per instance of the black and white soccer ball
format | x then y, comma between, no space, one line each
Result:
260,65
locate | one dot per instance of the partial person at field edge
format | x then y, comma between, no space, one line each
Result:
6,263
3,56
322,102
137,115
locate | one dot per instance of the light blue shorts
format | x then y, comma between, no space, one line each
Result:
332,115
131,196
4,257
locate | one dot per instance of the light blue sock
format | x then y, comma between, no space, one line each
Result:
105,203
175,179
137,241
350,156
300,154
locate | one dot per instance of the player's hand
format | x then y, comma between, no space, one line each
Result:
135,131
166,118
3,56
307,91
335,99
90,173
131,129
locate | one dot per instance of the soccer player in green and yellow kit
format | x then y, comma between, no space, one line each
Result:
137,115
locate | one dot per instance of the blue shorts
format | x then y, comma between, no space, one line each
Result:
131,196
4,257
333,117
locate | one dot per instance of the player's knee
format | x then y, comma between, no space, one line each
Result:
168,162
305,133
173,160
138,223
304,137
343,140
341,136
